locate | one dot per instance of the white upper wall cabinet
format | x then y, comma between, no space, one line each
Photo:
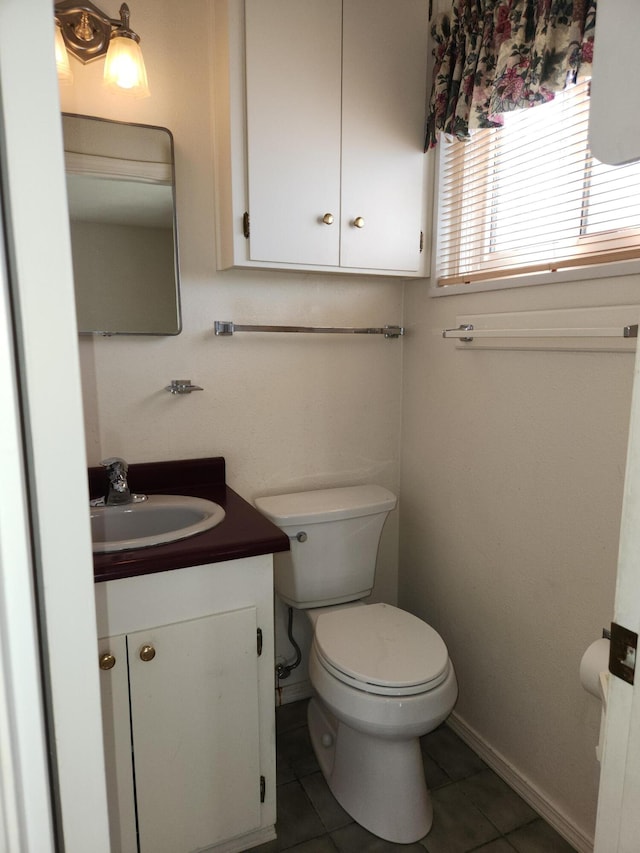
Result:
320,111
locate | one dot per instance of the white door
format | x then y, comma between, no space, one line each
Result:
25,800
44,523
615,74
618,824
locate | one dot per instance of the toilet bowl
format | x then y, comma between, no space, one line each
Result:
375,698
382,677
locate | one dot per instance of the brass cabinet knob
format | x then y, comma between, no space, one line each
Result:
147,653
328,219
107,661
358,222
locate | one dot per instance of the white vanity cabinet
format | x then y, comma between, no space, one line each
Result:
320,110
186,661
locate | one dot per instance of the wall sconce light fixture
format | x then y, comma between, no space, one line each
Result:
88,34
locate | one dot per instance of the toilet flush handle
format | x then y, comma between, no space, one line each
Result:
299,537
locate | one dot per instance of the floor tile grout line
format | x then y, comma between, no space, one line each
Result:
311,803
484,844
502,833
446,781
325,835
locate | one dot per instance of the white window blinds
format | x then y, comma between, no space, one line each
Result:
528,197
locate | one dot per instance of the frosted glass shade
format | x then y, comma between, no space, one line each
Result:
62,59
124,67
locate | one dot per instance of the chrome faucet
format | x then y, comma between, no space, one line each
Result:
118,487
119,492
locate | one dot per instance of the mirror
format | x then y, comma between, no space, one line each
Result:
121,191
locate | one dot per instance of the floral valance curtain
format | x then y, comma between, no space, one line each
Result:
494,56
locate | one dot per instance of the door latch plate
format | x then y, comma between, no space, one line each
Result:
622,653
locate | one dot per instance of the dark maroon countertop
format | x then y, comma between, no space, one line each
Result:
243,533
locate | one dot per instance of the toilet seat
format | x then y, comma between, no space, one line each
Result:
381,649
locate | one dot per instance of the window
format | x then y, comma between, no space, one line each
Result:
529,198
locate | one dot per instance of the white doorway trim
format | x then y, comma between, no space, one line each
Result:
43,504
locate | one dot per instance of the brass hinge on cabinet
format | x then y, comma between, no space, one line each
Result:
421,241
259,641
263,788
245,224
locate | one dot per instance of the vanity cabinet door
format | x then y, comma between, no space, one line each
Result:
116,732
195,728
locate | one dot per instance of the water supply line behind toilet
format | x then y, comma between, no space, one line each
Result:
284,670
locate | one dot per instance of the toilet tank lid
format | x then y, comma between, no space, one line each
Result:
326,504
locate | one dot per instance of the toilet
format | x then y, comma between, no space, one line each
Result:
382,677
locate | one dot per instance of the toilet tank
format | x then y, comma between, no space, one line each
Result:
334,542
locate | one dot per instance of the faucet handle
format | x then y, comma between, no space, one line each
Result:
118,487
115,462
119,492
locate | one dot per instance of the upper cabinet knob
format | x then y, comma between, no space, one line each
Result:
147,653
328,219
358,222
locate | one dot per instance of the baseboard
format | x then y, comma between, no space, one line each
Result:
245,842
287,693
529,793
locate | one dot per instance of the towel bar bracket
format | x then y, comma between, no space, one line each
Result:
468,327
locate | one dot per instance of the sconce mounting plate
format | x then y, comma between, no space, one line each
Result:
86,30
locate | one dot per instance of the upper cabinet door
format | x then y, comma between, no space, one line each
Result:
293,67
383,108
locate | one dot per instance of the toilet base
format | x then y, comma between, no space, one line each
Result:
379,782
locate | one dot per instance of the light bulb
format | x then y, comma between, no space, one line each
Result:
62,58
124,66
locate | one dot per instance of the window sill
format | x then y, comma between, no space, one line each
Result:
612,270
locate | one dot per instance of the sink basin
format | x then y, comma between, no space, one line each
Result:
156,521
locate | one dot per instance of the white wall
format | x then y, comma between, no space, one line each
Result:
512,476
287,412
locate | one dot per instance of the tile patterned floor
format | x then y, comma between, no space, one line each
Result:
474,810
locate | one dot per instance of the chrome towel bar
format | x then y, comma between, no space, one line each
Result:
226,327
467,333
